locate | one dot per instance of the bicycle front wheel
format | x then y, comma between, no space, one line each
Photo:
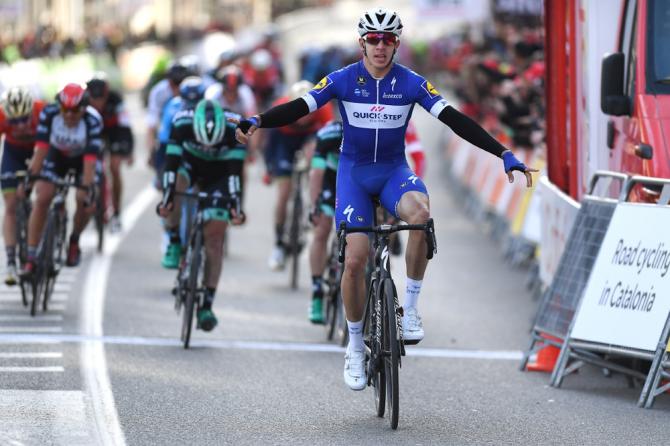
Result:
294,237
194,261
99,218
372,336
391,342
55,246
22,214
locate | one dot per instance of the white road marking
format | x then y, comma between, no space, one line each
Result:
17,305
44,417
55,297
29,329
55,369
31,355
27,317
499,355
94,364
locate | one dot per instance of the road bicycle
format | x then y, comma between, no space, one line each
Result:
189,292
382,326
50,250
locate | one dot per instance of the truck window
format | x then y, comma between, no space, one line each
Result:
631,59
628,35
658,42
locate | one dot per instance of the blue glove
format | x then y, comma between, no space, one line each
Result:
512,163
245,124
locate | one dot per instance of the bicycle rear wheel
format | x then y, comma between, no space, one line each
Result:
391,342
194,260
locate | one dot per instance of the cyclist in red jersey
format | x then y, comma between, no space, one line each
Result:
68,139
19,116
280,152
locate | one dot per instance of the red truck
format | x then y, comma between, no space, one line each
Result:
635,93
607,112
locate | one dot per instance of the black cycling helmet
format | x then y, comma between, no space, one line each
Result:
177,72
98,86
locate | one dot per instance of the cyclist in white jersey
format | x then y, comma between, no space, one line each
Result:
376,97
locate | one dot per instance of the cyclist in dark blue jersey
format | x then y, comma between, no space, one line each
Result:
376,98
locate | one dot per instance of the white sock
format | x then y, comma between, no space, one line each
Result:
356,335
412,293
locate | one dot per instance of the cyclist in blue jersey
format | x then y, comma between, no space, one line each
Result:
376,97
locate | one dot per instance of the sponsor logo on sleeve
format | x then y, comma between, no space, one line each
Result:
322,85
432,92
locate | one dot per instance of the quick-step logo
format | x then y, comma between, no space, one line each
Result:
374,116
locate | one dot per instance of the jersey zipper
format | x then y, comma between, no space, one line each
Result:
377,129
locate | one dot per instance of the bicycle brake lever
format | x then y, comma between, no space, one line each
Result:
431,241
342,237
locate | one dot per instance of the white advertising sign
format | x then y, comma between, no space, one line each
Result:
627,298
558,212
467,10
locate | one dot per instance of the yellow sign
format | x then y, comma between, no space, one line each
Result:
322,83
431,89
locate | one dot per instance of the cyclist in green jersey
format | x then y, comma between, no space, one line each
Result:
322,179
202,152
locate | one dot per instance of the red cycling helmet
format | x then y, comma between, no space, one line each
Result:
72,96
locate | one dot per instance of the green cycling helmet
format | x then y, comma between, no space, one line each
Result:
209,122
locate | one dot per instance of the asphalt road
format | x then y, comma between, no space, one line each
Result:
105,366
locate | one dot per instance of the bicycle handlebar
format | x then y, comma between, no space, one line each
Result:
231,201
385,229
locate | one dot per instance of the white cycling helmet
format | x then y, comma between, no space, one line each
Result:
299,89
261,59
380,20
17,102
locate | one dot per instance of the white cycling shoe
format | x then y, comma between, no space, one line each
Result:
354,369
115,225
277,259
412,327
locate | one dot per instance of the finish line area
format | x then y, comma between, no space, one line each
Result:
505,355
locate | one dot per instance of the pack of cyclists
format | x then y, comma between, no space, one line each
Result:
198,131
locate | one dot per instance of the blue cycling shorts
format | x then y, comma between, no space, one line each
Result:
358,184
14,159
280,152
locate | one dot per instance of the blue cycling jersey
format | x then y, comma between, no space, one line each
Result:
170,109
375,112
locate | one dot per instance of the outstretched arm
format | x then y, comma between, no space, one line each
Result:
277,116
473,133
